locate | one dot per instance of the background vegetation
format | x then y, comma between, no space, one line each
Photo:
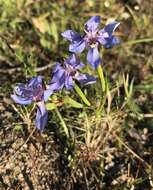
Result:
113,151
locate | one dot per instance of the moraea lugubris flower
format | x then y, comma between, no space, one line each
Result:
65,74
34,91
92,39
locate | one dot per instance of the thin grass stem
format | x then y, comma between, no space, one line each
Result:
138,41
62,123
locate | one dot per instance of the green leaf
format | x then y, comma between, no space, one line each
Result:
73,103
131,88
82,95
53,31
45,43
50,106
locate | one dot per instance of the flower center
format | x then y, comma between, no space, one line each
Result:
70,71
91,39
38,93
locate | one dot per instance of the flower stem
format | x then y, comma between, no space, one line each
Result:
101,76
62,123
103,88
81,94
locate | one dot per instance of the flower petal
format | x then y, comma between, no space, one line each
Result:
85,79
79,66
110,28
110,42
92,23
77,47
35,81
102,34
57,85
93,57
20,100
41,116
58,79
57,67
75,62
69,83
57,72
71,35
72,60
23,90
47,93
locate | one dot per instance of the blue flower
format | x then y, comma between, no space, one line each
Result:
34,91
92,38
65,74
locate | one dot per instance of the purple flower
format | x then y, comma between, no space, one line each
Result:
65,74
34,91
92,39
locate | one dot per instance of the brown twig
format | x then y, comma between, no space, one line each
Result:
18,69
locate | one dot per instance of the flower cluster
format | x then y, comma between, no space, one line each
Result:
92,39
34,91
66,73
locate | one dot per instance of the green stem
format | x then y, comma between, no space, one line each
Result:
62,122
101,107
101,77
103,88
81,94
